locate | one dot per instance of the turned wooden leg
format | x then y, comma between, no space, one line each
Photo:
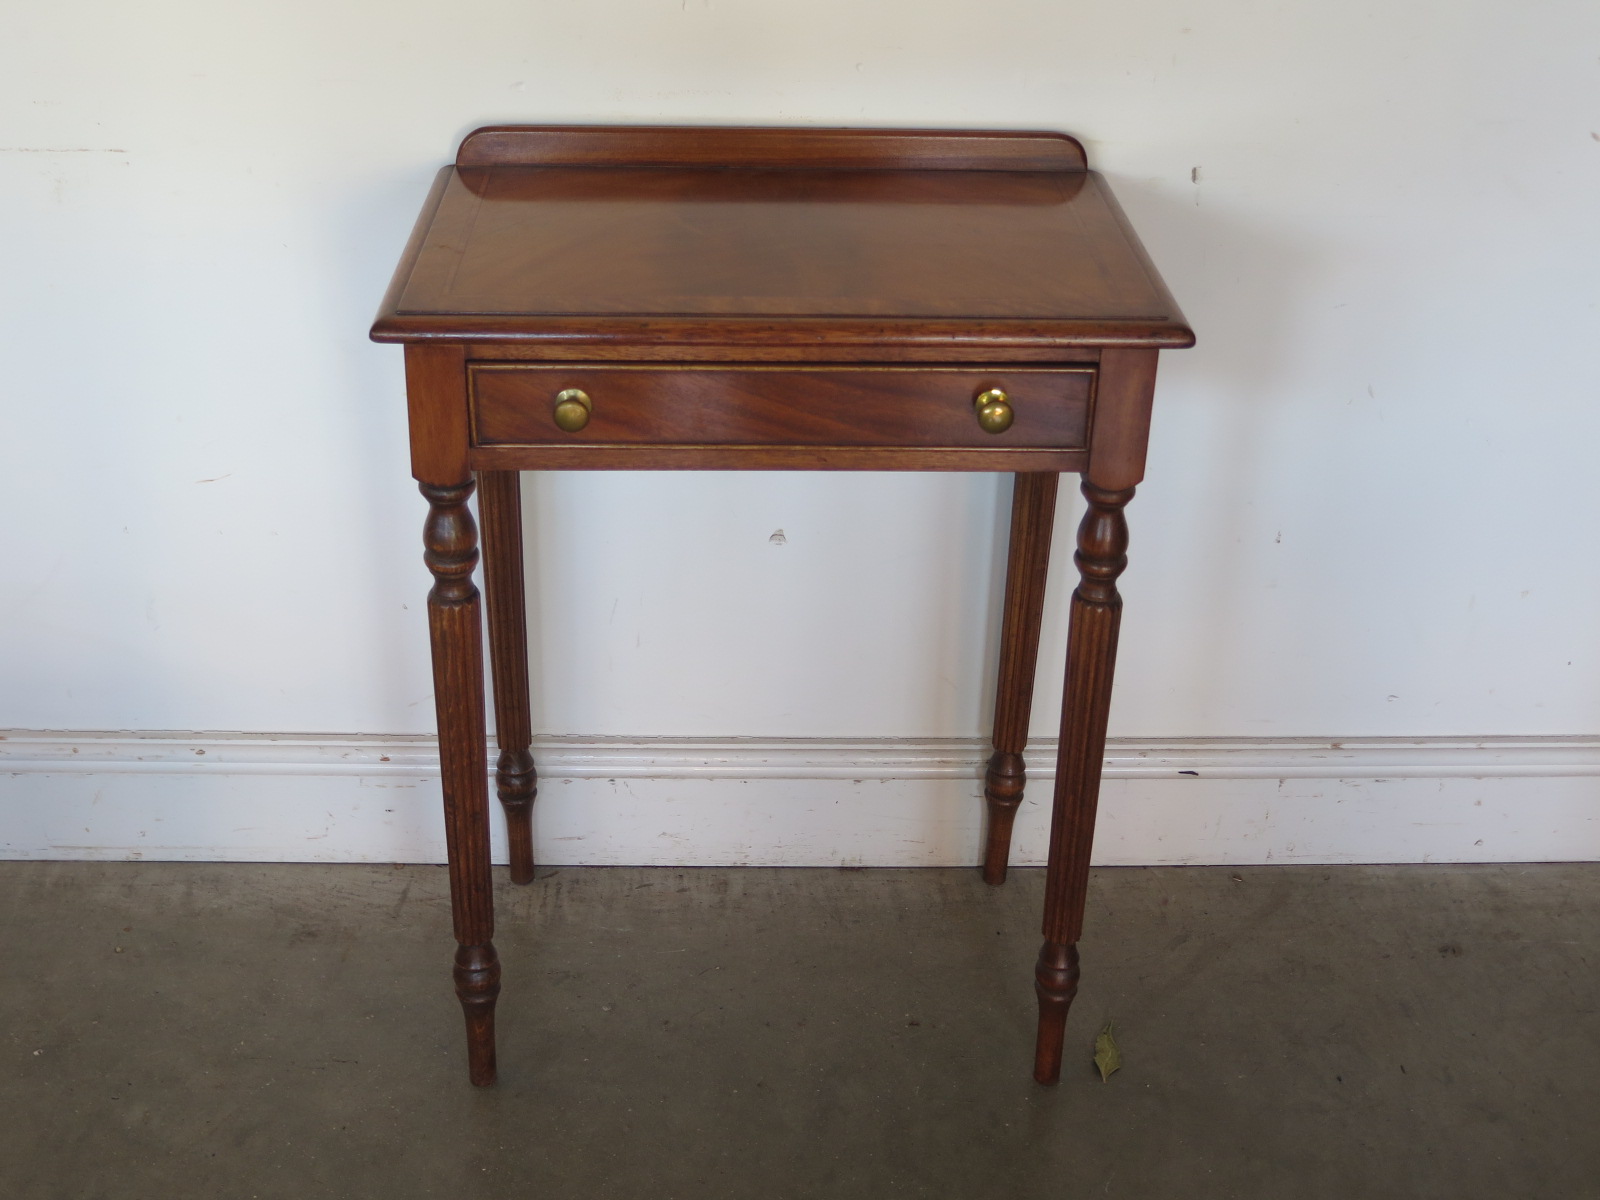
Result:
455,625
499,504
1091,657
1033,509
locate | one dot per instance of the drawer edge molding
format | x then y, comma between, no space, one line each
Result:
770,406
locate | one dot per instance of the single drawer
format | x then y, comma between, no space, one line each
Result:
923,408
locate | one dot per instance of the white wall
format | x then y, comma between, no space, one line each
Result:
1371,504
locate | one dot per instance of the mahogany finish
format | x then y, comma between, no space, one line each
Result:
898,255
696,407
773,298
715,146
1091,657
451,542
500,506
1033,514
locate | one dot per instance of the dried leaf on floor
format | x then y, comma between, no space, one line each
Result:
1106,1055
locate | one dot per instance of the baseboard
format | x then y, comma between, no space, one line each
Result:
183,753
883,801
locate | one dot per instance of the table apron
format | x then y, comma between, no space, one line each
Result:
849,417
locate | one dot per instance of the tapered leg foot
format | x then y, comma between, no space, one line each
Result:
1055,981
516,784
1002,794
1091,656
477,976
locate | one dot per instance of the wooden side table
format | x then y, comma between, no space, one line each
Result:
591,298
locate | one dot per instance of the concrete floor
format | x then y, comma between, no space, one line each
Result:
175,1031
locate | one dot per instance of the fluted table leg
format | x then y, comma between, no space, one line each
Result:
500,506
455,626
1091,658
1033,508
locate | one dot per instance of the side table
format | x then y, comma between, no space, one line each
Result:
598,298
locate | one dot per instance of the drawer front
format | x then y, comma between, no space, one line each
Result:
917,408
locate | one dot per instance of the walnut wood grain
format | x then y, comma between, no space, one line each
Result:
1086,705
1033,510
500,506
450,544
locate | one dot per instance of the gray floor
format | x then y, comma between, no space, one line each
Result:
288,1031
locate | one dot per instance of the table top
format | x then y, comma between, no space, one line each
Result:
624,235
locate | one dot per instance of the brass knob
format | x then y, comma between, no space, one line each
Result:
573,407
994,411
